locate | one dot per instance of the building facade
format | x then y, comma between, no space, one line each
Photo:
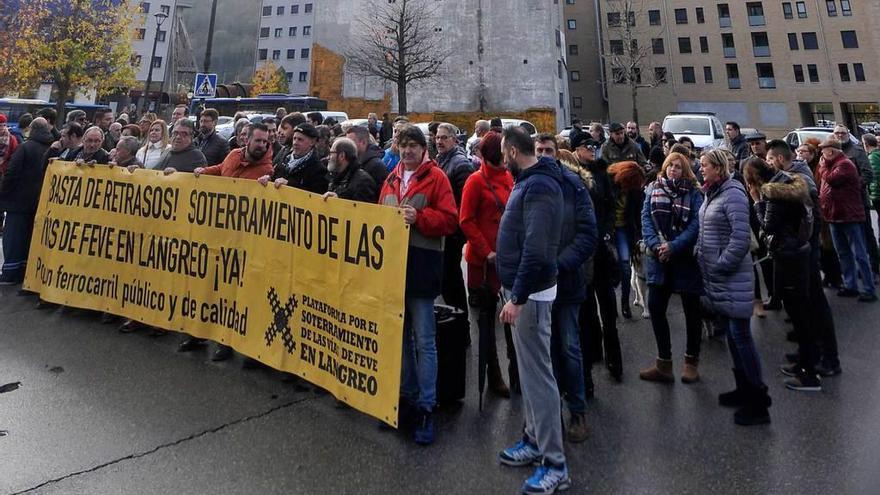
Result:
286,37
774,65
508,58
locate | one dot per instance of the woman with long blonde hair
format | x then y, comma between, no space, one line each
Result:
155,145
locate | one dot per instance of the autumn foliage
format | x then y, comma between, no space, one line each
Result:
269,78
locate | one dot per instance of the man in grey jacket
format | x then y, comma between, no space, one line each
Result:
183,155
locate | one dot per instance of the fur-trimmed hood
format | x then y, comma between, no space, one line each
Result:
785,187
585,175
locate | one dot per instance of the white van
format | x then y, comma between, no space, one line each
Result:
703,128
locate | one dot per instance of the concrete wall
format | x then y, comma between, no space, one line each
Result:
517,70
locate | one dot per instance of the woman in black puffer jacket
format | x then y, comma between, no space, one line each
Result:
783,207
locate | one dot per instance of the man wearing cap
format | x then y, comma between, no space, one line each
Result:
596,335
757,145
303,169
841,201
859,158
620,148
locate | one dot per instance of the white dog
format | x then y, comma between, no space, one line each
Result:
639,285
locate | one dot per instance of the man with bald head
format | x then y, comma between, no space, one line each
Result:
92,151
19,194
481,127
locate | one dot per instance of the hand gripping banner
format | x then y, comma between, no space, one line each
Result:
307,286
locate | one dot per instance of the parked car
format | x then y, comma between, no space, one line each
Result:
703,128
796,137
567,131
525,124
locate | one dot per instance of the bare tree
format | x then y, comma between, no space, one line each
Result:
629,59
398,41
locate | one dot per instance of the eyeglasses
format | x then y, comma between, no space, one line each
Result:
180,134
442,137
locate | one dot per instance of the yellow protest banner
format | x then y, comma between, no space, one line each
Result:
307,286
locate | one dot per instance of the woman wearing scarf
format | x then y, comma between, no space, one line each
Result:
669,230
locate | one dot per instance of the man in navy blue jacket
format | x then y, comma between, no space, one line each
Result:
527,249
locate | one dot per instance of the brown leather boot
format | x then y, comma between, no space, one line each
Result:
660,372
496,382
689,373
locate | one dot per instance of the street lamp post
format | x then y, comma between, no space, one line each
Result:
160,18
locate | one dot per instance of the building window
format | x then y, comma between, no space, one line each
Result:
811,42
616,47
139,34
571,24
294,9
654,17
704,44
845,8
733,81
559,69
756,13
786,10
267,11
707,75
279,32
618,75
728,45
575,75
681,16
844,72
308,8
572,49
684,45
660,75
279,10
577,102
723,15
263,54
813,72
276,54
849,38
289,76
688,76
304,53
831,5
859,71
291,31
307,30
264,32
291,53
760,45
303,76
157,62
801,9
798,73
166,9
614,19
145,7
701,16
569,2
658,47
793,42
160,35
766,79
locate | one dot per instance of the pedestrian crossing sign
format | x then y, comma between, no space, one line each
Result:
206,85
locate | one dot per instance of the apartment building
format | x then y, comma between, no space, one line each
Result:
286,38
769,64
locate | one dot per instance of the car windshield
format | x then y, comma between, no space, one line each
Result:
821,136
687,126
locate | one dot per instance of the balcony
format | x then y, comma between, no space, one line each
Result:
734,83
756,20
767,82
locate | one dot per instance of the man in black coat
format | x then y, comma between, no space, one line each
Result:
91,150
214,147
347,180
369,155
19,195
302,170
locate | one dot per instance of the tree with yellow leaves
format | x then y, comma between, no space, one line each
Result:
269,78
76,44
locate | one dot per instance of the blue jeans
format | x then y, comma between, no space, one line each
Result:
419,365
17,232
849,242
742,349
568,364
622,245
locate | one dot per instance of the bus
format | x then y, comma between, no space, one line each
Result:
265,103
13,108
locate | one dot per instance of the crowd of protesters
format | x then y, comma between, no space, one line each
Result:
548,228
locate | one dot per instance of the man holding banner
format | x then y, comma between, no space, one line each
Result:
422,191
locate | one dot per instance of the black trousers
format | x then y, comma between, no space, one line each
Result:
820,311
452,287
793,275
658,303
597,335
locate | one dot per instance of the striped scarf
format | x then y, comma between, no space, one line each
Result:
295,164
669,210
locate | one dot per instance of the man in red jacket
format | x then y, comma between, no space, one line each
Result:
841,201
422,191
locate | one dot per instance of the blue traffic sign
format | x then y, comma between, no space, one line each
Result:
206,86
